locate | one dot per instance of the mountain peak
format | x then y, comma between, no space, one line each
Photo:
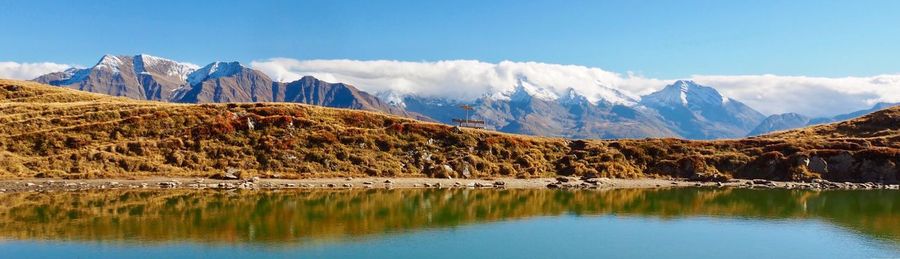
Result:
145,64
573,97
687,93
214,70
701,111
111,62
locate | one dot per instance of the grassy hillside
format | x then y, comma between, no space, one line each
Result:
56,132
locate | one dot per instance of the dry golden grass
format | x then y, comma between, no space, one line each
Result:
57,132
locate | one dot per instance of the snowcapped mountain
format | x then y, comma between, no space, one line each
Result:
682,109
597,93
141,77
214,70
527,109
701,112
146,64
147,77
225,82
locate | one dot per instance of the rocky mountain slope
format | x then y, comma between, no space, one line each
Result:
141,77
58,132
144,77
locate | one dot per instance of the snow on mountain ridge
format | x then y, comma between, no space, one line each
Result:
214,70
170,67
687,93
110,62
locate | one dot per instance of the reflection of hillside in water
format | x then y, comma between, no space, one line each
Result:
293,216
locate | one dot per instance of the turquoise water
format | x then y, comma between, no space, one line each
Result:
672,223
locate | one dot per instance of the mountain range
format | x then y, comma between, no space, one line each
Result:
786,121
80,135
683,109
146,77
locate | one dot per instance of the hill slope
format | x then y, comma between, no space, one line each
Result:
58,132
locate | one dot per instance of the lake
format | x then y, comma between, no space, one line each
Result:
452,223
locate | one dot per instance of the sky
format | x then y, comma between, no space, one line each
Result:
834,41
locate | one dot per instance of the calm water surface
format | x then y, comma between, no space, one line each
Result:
686,223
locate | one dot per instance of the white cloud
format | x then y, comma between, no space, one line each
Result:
470,79
28,71
811,96
456,79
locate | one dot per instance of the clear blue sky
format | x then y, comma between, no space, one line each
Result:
666,39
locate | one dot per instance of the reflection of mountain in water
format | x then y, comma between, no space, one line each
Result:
293,216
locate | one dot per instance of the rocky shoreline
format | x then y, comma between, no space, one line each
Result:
587,183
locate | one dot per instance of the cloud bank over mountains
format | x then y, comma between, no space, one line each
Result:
27,71
470,79
811,96
460,79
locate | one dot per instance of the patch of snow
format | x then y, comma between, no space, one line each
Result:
109,62
74,75
214,70
612,95
392,98
686,93
598,93
171,68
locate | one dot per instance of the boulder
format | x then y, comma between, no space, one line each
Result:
818,165
710,177
465,171
878,171
841,163
589,176
441,171
228,174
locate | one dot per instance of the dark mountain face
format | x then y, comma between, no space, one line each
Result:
145,77
699,112
310,90
231,82
226,82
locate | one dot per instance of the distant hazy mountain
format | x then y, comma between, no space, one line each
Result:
779,122
528,111
853,115
788,121
700,112
142,77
